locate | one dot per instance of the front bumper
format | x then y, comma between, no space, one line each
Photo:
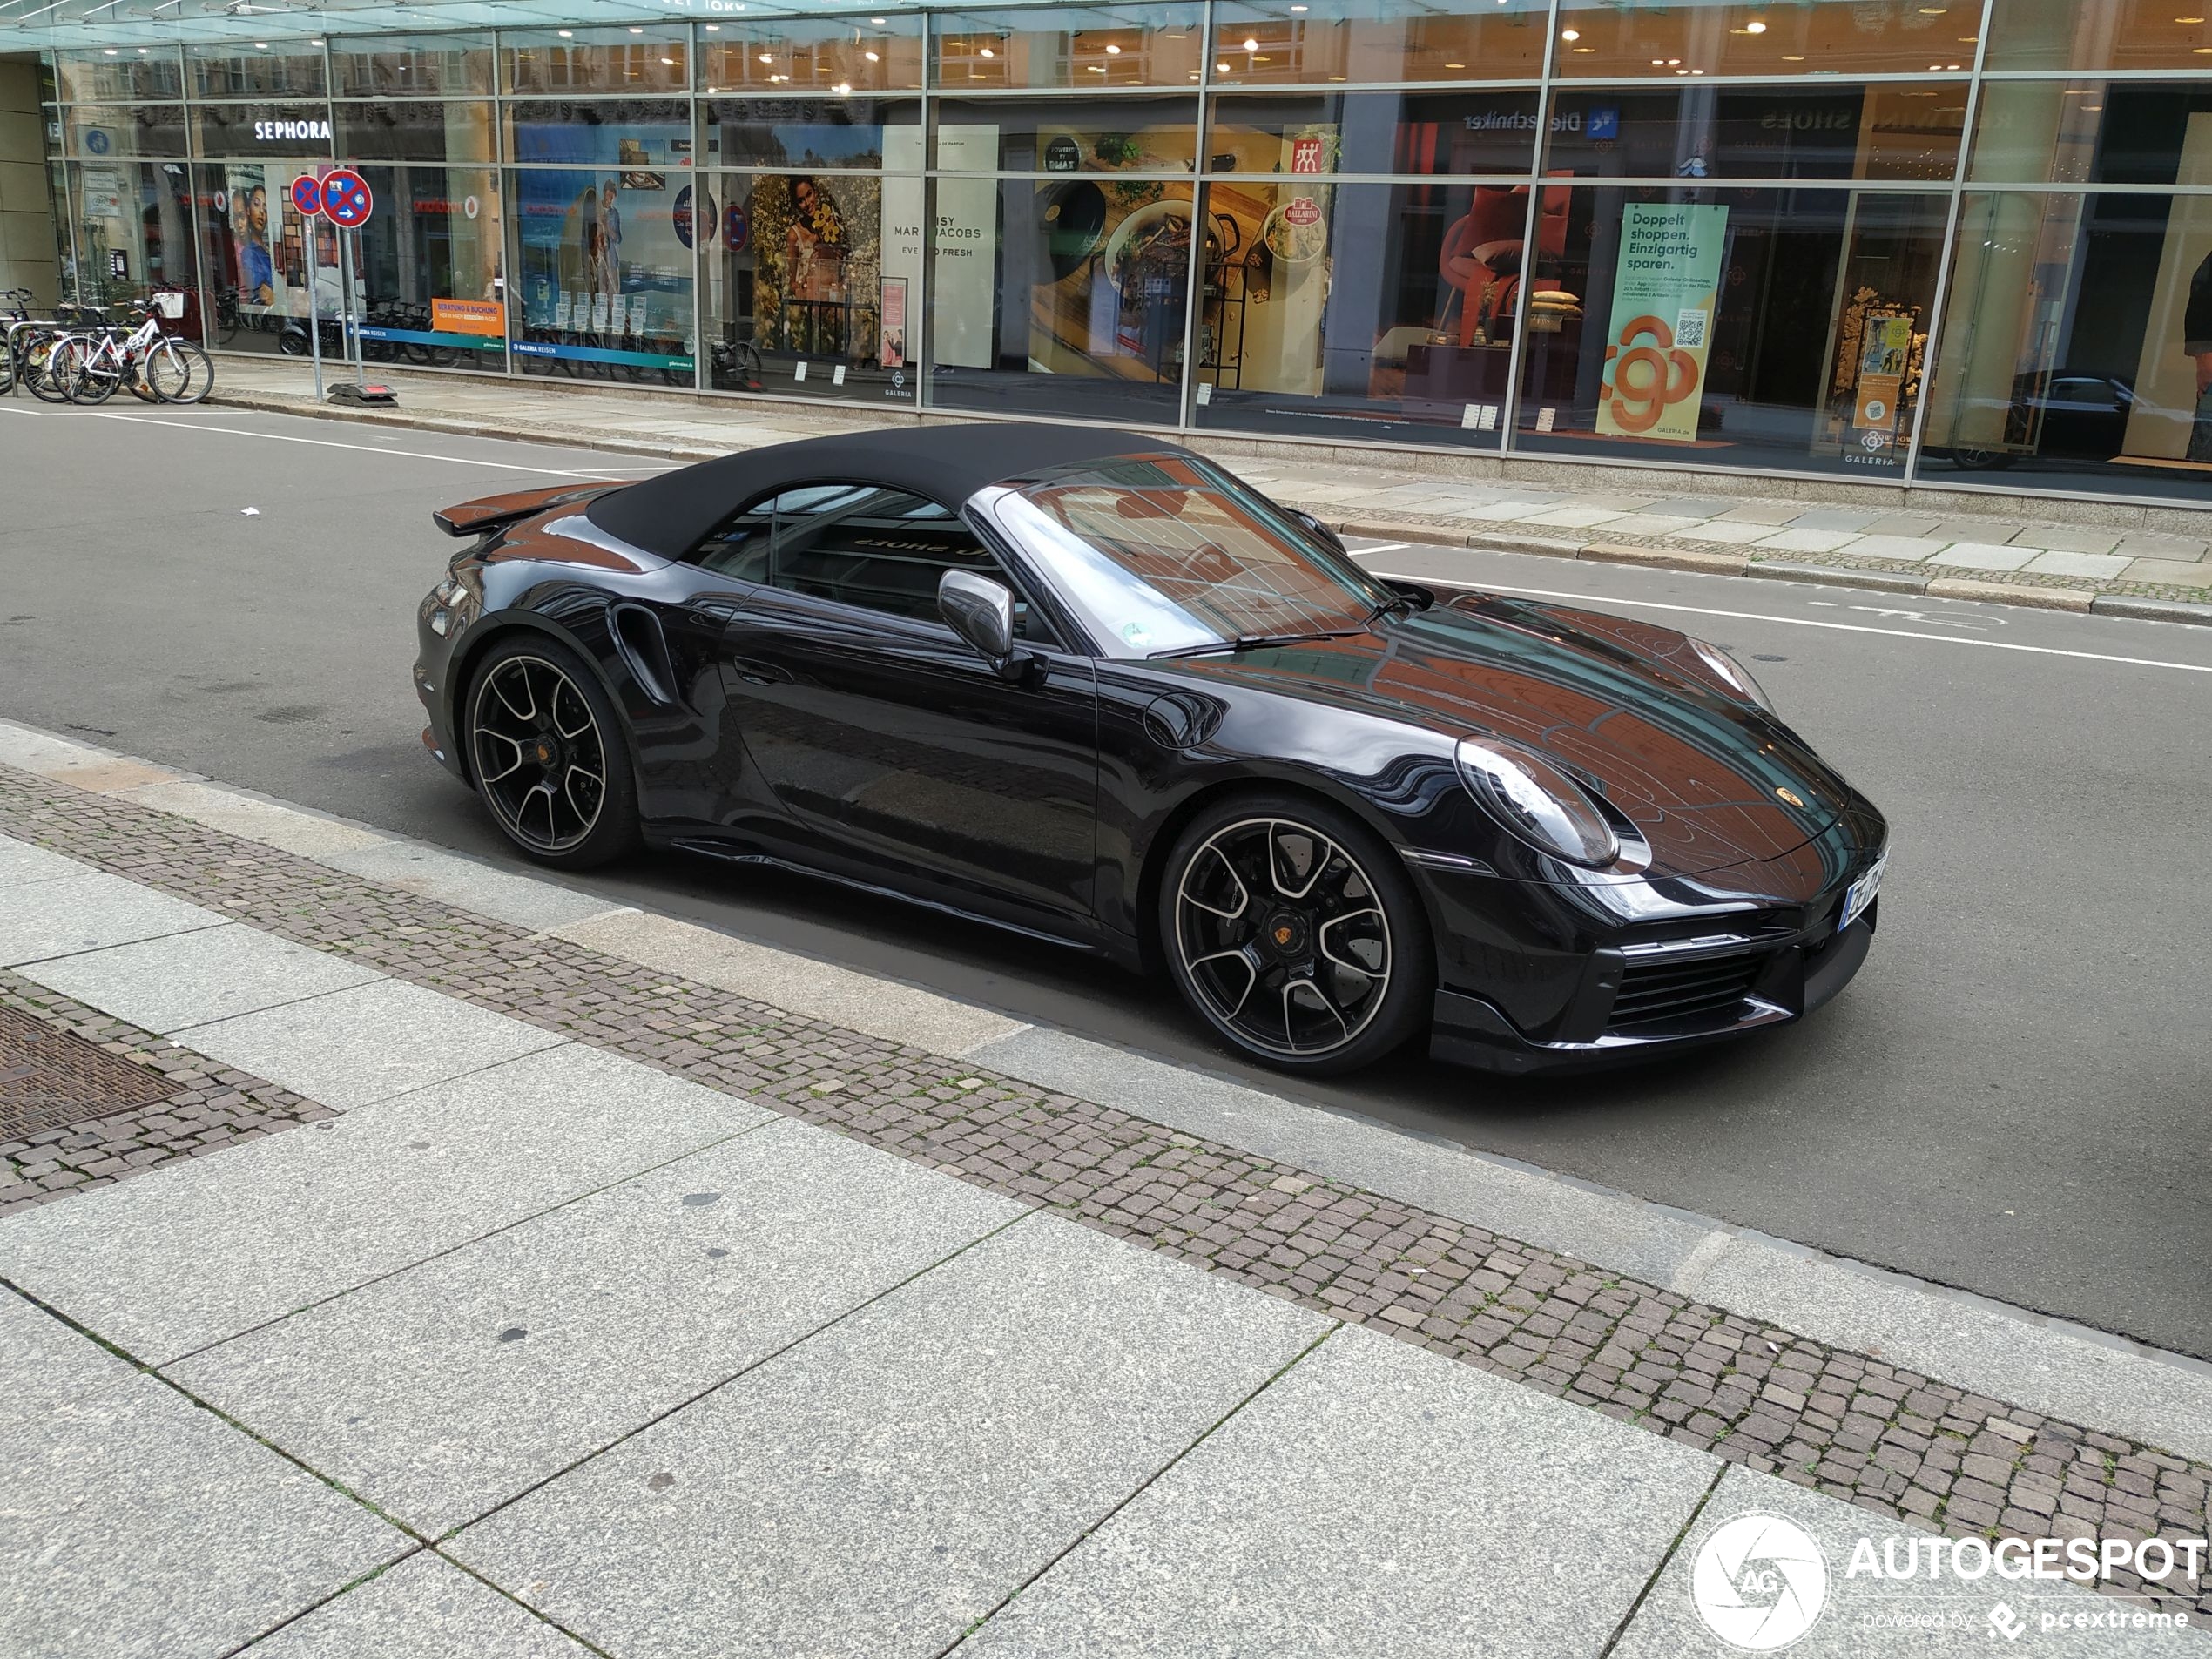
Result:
1533,980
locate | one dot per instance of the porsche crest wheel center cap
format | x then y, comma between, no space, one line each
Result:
544,752
1286,933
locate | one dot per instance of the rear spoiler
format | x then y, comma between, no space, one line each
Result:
492,512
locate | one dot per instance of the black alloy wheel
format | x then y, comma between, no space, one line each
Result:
1291,929
547,754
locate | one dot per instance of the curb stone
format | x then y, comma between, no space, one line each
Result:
2076,600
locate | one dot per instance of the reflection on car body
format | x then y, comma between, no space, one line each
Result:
1094,688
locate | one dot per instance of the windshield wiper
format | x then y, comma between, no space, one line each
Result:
1256,642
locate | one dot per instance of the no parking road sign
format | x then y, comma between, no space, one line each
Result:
307,195
346,201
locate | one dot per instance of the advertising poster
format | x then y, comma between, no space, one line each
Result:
963,269
894,354
256,235
817,256
1885,349
1664,292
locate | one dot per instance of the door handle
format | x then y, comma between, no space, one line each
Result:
754,671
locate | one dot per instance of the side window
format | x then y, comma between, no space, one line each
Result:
880,549
738,548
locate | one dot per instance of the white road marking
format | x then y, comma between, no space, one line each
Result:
1382,547
1603,599
1963,619
332,444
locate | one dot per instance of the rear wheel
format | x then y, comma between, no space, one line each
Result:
1292,930
43,361
545,746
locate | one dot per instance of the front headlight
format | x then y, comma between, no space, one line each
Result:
1732,673
1536,801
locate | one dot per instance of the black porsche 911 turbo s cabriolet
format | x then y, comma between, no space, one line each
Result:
1092,687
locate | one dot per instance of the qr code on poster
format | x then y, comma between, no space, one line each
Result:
1690,330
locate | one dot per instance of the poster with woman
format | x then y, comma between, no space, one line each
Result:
817,254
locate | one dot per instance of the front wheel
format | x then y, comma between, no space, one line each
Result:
1293,930
180,371
546,749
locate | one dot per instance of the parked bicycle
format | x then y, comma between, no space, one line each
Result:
87,365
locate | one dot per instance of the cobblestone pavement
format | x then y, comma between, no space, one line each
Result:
1846,1423
2001,551
199,1107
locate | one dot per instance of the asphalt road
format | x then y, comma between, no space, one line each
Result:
2015,1096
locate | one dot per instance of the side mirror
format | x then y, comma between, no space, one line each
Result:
1319,531
980,611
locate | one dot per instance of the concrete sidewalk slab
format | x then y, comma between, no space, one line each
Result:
425,1608
470,884
1951,1616
786,979
881,1488
79,913
348,1047
192,978
194,1252
135,1523
1378,1501
21,864
450,1387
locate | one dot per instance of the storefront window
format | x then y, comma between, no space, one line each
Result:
263,129
840,132
1285,43
803,56
2077,341
1061,297
1096,135
635,59
1600,37
1421,133
1343,311
1885,131
606,132
432,267
124,129
126,73
133,227
2094,132
255,254
1775,328
604,274
2108,34
270,68
1063,48
798,300
411,66
415,130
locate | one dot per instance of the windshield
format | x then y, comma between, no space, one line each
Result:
1169,553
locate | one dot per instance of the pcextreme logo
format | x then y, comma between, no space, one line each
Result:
1759,1582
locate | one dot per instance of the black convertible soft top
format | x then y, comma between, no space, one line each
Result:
672,513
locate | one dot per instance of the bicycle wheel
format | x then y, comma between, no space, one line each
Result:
180,372
89,377
39,368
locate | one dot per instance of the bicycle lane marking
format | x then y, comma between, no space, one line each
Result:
332,444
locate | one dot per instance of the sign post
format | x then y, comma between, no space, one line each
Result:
348,204
307,201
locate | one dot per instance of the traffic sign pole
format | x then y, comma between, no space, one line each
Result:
306,199
351,326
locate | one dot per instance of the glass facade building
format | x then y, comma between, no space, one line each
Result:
1959,243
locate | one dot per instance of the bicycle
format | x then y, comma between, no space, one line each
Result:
155,367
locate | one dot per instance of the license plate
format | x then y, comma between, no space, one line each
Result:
1861,893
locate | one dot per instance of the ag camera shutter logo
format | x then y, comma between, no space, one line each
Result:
1759,1582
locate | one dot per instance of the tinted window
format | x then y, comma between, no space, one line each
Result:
855,544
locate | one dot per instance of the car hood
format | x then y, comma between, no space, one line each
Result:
1709,779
